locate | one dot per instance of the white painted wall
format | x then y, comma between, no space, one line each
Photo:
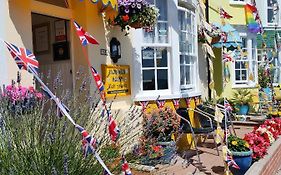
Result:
16,30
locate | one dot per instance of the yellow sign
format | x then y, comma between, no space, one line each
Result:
116,80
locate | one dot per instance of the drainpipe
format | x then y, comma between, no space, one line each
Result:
207,57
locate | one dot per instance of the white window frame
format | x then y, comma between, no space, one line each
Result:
277,16
155,69
193,55
174,90
276,67
139,44
252,61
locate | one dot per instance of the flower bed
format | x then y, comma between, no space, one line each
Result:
20,99
263,136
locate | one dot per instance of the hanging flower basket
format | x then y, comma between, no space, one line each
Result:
136,14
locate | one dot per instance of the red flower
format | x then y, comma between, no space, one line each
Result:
125,18
156,148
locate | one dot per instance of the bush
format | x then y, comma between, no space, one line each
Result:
40,142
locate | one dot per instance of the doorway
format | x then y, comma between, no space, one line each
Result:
51,46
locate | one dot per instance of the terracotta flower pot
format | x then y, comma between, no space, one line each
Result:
136,25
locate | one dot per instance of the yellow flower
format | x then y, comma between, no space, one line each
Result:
234,143
247,145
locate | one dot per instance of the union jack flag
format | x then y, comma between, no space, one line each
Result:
227,106
114,131
160,103
89,143
125,167
176,103
188,100
223,36
97,79
144,105
227,57
24,58
84,36
230,162
224,14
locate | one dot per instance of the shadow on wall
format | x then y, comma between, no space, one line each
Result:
218,72
20,15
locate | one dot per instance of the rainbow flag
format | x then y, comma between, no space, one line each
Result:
252,19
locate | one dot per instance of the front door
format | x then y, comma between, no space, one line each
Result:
52,48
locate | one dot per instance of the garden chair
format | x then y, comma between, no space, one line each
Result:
206,124
210,111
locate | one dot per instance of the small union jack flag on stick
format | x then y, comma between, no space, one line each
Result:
89,143
176,103
84,36
114,131
224,14
144,105
230,162
160,103
227,106
24,58
99,82
188,100
125,167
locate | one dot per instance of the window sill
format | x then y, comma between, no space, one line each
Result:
145,97
237,3
185,94
245,86
153,97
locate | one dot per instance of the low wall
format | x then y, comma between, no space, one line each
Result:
270,163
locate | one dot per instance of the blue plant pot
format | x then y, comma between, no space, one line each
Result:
243,160
243,109
268,93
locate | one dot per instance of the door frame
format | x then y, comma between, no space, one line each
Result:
62,13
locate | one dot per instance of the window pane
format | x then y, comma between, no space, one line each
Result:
149,36
270,3
244,75
162,6
237,75
237,65
162,79
187,60
148,80
162,32
270,16
148,57
161,56
182,75
187,75
181,59
182,21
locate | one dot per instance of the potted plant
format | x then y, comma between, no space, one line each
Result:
242,98
158,130
264,77
241,153
136,14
